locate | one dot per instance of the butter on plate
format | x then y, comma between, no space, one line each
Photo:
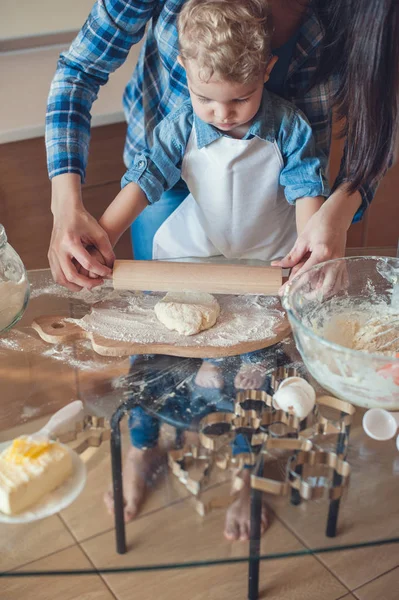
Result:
30,469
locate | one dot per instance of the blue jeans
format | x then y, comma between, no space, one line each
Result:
182,406
147,224
144,427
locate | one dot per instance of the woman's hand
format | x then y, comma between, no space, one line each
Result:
321,240
324,236
67,253
74,230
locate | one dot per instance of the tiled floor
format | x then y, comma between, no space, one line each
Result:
384,587
169,529
370,485
90,587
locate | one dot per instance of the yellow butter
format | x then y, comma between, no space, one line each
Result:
30,469
25,448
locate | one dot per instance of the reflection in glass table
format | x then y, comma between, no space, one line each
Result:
180,523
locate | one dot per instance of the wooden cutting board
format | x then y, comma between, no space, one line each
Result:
56,330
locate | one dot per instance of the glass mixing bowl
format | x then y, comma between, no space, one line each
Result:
346,302
14,285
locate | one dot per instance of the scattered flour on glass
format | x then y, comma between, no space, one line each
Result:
27,342
28,412
132,319
10,344
98,294
66,354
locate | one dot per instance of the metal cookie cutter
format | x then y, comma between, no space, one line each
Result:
91,432
282,373
261,414
187,459
274,486
342,422
339,423
217,430
308,482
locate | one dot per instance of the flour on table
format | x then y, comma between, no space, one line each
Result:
187,313
12,300
132,319
97,294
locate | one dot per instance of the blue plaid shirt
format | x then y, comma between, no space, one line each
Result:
158,84
276,121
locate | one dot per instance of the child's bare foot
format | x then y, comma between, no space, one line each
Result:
209,376
250,376
138,471
237,526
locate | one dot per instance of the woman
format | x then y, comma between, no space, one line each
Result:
340,54
333,53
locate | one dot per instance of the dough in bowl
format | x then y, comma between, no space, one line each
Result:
187,312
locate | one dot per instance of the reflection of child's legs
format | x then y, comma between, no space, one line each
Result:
209,374
142,460
144,453
252,375
143,428
238,515
254,368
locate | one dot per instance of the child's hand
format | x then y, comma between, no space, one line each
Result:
96,254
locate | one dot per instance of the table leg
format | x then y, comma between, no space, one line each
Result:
254,543
295,495
117,483
179,439
333,510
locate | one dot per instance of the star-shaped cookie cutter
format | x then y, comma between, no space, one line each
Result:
346,411
177,460
181,462
90,432
255,415
306,479
274,486
312,486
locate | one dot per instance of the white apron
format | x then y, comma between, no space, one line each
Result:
236,207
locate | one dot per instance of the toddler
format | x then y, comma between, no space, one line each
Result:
249,161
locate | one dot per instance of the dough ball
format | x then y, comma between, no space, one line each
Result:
187,312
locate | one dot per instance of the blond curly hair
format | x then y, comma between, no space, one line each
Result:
228,39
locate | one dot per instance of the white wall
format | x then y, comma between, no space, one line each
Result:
25,18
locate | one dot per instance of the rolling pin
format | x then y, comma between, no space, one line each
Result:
163,276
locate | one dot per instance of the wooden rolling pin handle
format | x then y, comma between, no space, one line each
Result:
163,276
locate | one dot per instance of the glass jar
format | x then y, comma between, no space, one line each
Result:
14,284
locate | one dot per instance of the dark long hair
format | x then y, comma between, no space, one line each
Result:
362,49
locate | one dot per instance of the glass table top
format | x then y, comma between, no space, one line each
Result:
179,498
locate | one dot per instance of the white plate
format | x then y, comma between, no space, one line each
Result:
56,500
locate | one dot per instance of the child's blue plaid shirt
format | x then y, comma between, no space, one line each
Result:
158,85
